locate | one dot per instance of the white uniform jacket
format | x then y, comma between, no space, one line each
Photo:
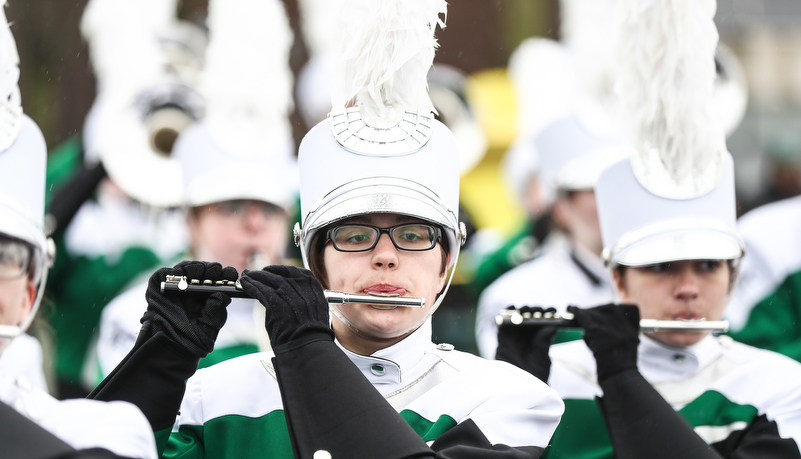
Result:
736,397
234,409
23,357
118,427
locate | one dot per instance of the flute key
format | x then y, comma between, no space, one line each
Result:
233,289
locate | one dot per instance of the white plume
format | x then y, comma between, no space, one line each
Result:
123,42
247,81
666,75
544,77
11,110
386,50
587,29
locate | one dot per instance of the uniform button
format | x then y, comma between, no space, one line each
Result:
445,347
321,454
726,340
24,383
679,359
378,370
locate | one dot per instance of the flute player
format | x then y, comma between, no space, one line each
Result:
243,146
667,218
32,422
379,199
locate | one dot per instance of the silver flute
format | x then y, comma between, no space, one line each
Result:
233,289
511,317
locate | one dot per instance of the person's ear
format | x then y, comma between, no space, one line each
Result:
620,284
443,276
27,301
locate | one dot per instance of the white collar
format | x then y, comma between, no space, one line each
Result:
655,358
387,365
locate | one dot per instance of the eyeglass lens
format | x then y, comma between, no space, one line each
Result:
14,259
357,238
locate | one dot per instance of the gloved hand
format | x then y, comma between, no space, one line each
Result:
612,332
190,320
294,299
526,346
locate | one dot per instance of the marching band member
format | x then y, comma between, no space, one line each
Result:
244,146
113,205
26,254
667,218
365,381
763,311
572,151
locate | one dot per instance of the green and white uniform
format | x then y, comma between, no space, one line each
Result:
742,400
118,427
766,306
103,249
235,409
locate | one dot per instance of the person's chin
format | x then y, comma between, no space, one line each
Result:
386,329
678,339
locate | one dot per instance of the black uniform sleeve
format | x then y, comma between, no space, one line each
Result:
329,405
70,197
153,377
22,438
177,331
642,424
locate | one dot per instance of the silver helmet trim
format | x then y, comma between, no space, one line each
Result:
406,133
690,238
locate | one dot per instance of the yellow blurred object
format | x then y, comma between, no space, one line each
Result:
492,96
484,194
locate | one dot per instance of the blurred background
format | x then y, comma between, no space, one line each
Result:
58,89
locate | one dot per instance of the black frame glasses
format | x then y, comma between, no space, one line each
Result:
434,232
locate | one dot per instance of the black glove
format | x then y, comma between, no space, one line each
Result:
612,332
190,320
295,303
526,346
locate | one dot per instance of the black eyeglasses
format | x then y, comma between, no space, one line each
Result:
415,237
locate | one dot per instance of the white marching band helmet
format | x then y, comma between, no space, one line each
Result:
23,159
673,199
244,145
573,149
147,64
386,153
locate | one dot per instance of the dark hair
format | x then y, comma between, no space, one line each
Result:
317,250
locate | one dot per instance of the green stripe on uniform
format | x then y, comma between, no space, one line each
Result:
428,430
226,353
582,432
772,322
234,436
